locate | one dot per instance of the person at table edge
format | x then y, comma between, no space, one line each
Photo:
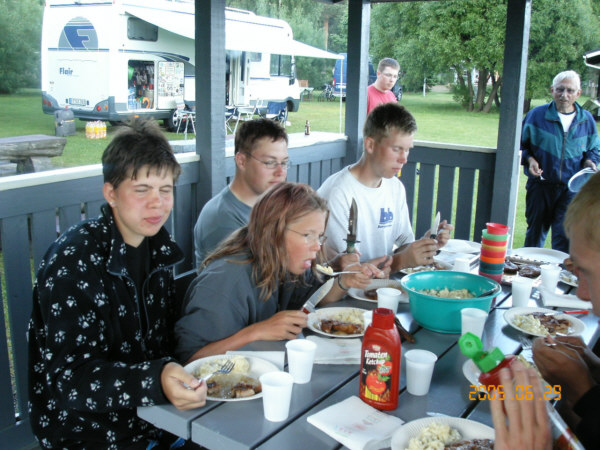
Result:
261,161
381,90
251,288
558,139
101,329
567,361
383,218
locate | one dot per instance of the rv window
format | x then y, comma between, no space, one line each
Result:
140,30
281,65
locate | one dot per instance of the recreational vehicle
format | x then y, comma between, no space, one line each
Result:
110,60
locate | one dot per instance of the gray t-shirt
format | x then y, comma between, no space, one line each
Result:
222,215
224,299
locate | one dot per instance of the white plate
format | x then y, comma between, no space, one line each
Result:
577,325
258,367
359,294
568,278
469,429
441,264
325,313
461,246
543,255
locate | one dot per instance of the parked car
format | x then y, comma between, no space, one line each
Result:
340,75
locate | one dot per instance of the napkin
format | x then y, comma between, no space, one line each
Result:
277,358
550,298
356,425
336,351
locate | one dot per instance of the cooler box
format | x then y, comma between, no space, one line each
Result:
64,122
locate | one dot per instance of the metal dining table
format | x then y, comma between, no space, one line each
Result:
241,425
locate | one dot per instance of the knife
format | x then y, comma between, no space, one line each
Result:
351,237
310,304
434,226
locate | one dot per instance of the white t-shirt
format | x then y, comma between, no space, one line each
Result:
382,214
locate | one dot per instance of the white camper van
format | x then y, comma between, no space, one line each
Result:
112,59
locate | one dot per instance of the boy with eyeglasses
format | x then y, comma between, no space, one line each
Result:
381,91
558,139
261,161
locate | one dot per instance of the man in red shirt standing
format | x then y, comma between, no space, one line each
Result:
381,91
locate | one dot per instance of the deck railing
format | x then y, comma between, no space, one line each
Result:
456,180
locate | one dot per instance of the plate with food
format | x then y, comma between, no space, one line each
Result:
238,385
513,269
461,246
543,322
437,265
370,293
568,278
338,322
538,255
443,432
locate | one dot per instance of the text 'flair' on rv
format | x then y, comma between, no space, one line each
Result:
110,60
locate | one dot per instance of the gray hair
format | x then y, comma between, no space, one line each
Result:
567,75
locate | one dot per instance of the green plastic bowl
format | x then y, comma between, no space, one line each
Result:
443,314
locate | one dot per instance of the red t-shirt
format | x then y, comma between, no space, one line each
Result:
375,97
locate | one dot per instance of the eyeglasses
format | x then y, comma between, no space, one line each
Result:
272,165
311,238
561,89
390,75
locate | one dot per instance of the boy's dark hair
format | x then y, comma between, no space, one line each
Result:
249,132
387,116
137,144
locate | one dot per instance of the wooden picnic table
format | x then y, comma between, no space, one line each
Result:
241,425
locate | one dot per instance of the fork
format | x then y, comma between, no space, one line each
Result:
526,343
225,368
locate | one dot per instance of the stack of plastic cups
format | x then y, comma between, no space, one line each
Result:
493,251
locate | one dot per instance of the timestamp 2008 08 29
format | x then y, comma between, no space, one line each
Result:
522,392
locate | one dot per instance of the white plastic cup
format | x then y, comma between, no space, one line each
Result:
521,291
550,274
301,354
419,370
473,321
462,265
277,395
388,298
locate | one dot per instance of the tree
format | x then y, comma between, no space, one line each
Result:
20,35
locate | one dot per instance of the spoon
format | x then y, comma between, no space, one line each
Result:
486,293
327,270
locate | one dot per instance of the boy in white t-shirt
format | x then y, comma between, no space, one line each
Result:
383,219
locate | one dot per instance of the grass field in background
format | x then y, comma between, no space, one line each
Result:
439,119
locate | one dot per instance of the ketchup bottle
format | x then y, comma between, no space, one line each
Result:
380,362
490,363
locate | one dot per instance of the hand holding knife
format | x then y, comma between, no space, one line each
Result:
435,226
351,236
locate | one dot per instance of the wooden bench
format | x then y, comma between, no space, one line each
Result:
31,153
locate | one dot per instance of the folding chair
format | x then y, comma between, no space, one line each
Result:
232,118
183,114
277,111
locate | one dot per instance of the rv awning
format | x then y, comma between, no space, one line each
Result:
592,58
243,36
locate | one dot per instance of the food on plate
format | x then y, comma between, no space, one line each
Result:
568,277
448,293
372,293
428,267
510,268
542,323
434,436
345,322
232,385
241,366
472,444
325,269
530,271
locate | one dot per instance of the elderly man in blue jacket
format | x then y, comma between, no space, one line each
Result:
558,140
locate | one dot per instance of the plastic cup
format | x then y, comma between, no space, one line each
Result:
521,290
499,253
277,395
489,260
492,276
473,321
462,265
494,237
388,298
300,354
496,228
550,274
419,369
492,243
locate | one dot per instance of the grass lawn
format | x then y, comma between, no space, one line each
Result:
439,119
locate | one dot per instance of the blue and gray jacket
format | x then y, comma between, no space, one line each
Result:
560,154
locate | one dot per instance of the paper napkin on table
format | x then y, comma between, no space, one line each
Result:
356,425
277,358
550,298
336,351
